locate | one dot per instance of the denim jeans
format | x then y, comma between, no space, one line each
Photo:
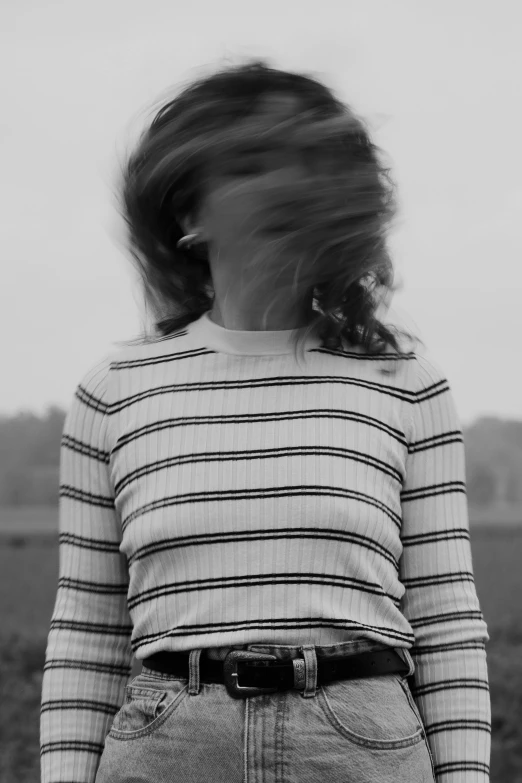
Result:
180,730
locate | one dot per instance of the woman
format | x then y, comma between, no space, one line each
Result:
281,539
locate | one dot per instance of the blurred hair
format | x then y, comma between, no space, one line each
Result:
335,220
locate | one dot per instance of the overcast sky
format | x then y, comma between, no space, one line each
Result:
438,81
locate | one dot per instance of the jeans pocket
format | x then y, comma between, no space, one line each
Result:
147,705
411,701
371,712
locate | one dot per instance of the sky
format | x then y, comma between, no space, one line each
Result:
437,81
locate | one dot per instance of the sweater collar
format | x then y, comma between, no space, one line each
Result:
248,343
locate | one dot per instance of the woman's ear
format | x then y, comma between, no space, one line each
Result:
190,223
187,224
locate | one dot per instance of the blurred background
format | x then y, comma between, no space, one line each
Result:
439,85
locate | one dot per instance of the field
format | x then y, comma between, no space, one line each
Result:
28,580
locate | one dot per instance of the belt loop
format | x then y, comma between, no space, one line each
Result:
194,683
310,658
402,651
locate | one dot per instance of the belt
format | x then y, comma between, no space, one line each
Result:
263,673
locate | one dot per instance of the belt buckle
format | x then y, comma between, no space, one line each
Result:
231,674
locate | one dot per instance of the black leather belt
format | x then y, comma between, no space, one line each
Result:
263,673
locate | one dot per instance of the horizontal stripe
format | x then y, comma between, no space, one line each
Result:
258,454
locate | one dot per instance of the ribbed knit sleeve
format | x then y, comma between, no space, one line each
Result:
88,657
450,683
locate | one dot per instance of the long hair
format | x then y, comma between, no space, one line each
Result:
335,219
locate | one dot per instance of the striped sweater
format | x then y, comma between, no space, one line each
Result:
215,491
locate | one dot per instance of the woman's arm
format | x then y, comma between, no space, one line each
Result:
450,683
88,657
